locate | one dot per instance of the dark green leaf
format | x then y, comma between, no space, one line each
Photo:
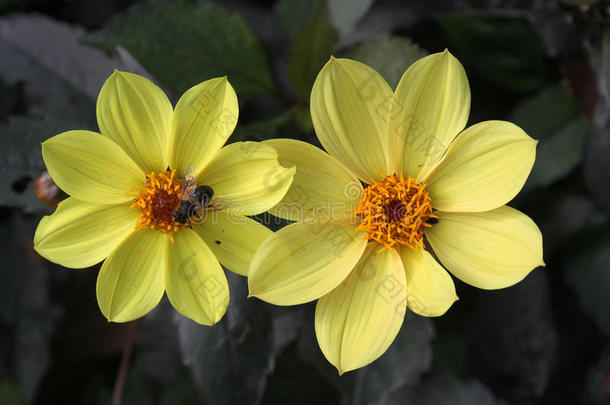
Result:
579,2
230,361
504,50
405,361
28,314
10,394
605,64
546,113
311,48
562,215
389,55
596,380
597,165
295,13
408,358
444,390
182,44
552,117
513,340
157,374
586,269
558,155
450,354
261,130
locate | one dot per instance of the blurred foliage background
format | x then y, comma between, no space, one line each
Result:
542,64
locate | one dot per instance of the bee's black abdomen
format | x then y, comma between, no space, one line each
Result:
204,195
192,208
184,212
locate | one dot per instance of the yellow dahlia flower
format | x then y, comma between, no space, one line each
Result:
127,183
432,191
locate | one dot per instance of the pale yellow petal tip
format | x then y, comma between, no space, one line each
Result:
332,62
446,54
340,369
222,79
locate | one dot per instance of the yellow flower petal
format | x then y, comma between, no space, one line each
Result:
91,167
247,178
321,182
204,118
358,320
196,284
484,168
349,109
136,114
81,234
233,239
493,249
305,260
430,288
430,107
131,281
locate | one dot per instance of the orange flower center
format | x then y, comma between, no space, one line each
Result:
158,201
395,212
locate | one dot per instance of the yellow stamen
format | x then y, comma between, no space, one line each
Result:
395,212
157,202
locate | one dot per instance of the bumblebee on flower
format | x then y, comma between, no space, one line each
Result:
128,187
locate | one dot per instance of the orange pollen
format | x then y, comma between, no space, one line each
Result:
395,212
157,202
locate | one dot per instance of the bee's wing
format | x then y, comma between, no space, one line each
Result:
188,183
188,171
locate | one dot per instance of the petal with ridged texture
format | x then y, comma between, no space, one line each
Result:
247,178
430,289
91,167
349,109
196,284
136,115
489,250
80,234
131,281
485,167
358,320
233,239
430,107
321,183
304,260
204,118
